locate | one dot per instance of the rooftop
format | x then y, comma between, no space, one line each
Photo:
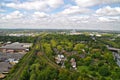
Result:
4,67
17,45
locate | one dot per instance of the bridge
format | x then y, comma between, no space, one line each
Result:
113,49
116,54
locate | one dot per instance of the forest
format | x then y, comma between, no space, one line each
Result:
68,57
24,39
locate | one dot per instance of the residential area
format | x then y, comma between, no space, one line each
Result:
61,53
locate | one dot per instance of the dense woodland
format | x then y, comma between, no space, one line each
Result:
94,61
27,39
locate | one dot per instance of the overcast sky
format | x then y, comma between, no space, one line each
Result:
60,14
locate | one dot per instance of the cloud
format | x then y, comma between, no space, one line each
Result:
55,3
2,10
13,15
86,3
108,11
72,10
89,3
62,22
109,19
60,14
41,5
39,15
103,19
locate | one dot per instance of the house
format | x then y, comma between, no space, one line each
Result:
73,63
15,47
9,42
22,34
59,58
98,35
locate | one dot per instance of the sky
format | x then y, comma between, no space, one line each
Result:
60,14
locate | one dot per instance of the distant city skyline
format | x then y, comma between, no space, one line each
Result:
60,14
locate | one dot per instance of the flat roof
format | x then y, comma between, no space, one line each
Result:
15,45
4,67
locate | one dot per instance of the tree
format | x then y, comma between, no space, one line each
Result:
69,46
104,71
59,47
33,77
63,75
53,43
24,75
47,49
79,46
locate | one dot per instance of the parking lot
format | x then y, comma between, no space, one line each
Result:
4,60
